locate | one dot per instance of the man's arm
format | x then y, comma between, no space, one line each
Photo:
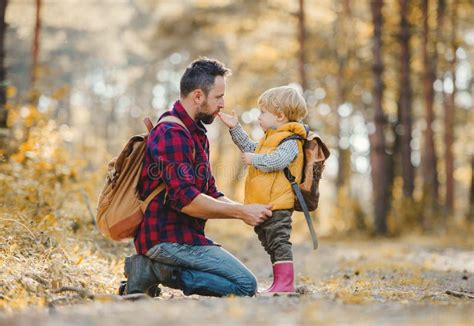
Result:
206,207
173,150
227,200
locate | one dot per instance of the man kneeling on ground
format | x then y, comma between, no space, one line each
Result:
171,245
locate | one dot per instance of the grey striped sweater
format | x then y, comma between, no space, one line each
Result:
277,160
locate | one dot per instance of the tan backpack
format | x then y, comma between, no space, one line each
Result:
119,209
307,191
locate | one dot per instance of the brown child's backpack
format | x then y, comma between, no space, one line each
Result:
307,191
119,209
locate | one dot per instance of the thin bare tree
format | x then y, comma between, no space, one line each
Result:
449,110
36,45
3,76
378,155
405,102
343,52
302,40
429,159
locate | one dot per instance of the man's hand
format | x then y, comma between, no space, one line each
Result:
229,120
247,158
254,214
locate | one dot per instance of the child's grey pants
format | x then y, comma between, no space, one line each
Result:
274,234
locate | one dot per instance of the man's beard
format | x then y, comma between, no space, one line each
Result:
205,117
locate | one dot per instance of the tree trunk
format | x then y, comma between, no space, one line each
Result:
35,52
3,82
301,39
449,110
111,126
405,109
3,77
342,54
471,197
430,176
378,155
344,158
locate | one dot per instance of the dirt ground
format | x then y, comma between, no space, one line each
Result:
360,281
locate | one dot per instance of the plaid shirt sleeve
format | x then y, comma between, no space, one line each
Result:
174,152
212,191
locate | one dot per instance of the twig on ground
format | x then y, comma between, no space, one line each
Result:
18,222
81,291
62,300
38,279
88,204
4,297
461,295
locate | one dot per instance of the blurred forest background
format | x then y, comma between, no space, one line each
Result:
389,87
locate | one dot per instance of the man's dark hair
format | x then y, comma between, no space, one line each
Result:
201,74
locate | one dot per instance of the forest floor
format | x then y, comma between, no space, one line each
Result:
408,280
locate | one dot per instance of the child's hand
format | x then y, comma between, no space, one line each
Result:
247,158
229,120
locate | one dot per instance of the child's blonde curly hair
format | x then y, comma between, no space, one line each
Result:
286,100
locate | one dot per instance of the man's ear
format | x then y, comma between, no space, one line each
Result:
198,96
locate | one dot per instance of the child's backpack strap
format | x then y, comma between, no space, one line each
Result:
299,196
292,137
297,191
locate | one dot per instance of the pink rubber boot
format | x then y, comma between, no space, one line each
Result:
283,279
268,289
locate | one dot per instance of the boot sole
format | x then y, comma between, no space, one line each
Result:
278,294
136,297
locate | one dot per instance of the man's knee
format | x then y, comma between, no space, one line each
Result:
248,286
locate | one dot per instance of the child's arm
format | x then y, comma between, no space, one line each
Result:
242,140
238,134
277,160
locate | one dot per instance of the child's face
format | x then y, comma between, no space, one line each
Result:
268,120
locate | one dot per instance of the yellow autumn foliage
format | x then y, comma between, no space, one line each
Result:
48,239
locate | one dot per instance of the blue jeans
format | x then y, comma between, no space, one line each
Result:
206,269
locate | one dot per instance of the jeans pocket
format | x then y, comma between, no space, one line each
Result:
160,254
170,253
153,253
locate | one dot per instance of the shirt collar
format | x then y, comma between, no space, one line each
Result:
180,112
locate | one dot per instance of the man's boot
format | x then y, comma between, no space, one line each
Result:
169,276
140,276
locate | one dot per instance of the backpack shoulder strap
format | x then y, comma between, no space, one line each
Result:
168,118
297,137
173,119
153,194
299,195
149,126
292,137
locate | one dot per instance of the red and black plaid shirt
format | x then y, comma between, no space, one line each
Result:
169,158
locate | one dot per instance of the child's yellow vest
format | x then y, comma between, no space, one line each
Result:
273,187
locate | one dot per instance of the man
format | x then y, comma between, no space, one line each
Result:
171,245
